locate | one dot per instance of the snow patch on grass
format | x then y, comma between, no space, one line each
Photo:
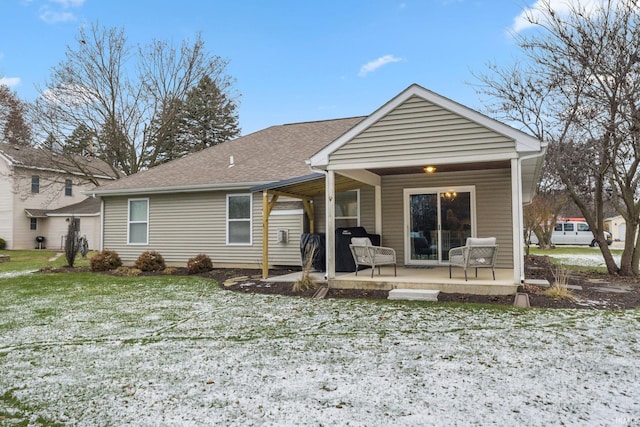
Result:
190,354
591,260
10,274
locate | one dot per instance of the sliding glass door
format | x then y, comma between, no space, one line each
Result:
436,220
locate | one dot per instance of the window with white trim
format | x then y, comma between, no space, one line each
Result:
239,219
35,184
68,187
138,222
348,209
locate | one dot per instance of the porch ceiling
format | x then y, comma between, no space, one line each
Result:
313,185
308,186
454,167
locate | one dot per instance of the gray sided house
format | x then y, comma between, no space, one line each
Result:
422,171
202,203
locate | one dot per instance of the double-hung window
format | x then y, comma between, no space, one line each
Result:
35,184
239,219
138,223
348,209
68,187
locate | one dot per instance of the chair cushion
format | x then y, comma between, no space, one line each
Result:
480,241
361,241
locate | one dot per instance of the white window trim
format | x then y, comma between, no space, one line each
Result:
408,192
250,219
129,222
70,187
357,217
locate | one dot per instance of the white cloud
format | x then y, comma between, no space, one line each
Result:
561,7
375,64
52,17
68,3
10,81
59,12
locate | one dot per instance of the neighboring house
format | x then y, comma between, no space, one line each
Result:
617,226
367,171
40,191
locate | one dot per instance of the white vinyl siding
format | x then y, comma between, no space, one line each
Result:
138,222
493,206
184,225
422,132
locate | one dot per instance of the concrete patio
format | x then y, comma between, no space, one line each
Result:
434,278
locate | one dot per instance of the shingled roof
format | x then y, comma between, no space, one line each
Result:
272,154
41,159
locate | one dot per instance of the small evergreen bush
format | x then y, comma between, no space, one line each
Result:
3,244
105,260
150,261
199,264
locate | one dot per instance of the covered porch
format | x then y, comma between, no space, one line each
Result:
433,174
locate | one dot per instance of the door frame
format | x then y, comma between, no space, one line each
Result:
408,192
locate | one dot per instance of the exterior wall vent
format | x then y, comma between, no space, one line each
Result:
282,236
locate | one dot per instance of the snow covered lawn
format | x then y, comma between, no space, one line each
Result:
179,351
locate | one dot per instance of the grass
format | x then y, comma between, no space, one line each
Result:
37,259
94,349
562,255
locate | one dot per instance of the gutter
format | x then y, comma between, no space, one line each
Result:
176,189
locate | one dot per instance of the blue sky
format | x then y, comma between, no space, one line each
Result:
293,61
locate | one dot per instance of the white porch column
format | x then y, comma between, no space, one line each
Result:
378,209
330,191
516,209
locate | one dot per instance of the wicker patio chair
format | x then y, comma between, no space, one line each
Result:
364,253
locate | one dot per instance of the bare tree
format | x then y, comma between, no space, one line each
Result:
13,125
116,91
578,87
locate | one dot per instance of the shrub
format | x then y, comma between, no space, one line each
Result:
150,261
560,289
105,260
133,272
199,264
3,243
169,271
305,282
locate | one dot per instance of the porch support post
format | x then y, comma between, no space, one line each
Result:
378,208
518,230
308,208
265,234
266,211
330,191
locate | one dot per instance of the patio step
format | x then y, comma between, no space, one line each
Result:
321,292
414,294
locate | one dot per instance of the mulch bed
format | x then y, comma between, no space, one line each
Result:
598,291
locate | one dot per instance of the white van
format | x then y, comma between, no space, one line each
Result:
572,233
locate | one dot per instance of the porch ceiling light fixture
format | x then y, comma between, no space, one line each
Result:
429,169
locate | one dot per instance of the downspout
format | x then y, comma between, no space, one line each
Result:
520,239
